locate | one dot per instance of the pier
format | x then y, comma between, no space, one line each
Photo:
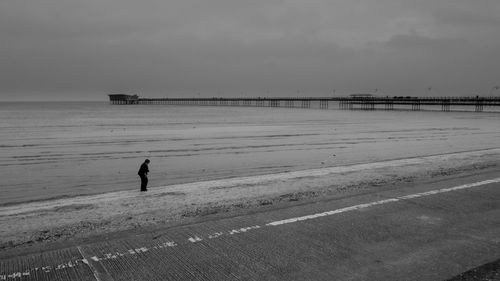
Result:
353,102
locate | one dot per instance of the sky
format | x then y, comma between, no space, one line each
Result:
84,50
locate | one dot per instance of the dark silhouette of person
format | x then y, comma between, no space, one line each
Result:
143,173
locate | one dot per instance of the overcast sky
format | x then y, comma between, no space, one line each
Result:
84,49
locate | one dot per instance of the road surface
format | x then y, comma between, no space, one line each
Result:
430,231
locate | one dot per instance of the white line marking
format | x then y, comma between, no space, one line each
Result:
215,235
194,239
167,244
243,229
396,199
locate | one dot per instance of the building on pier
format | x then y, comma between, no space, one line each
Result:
123,99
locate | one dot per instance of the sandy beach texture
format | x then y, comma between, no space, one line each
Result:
72,173
117,211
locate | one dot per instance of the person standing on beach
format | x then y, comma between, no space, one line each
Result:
143,173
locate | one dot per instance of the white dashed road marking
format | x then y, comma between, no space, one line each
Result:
367,205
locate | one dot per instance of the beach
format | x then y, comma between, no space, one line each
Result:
69,170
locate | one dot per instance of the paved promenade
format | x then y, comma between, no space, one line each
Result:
430,231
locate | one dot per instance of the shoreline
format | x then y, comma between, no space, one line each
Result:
187,182
34,223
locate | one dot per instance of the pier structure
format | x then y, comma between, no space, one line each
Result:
123,99
353,102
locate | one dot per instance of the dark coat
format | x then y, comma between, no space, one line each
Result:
144,170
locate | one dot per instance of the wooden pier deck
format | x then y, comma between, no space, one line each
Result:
346,103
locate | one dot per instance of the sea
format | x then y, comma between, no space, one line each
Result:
54,150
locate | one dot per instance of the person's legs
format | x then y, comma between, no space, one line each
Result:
144,183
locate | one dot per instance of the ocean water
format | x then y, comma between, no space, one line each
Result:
53,150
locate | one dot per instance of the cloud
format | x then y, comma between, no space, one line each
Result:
417,42
175,47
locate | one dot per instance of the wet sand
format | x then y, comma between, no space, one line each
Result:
84,216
